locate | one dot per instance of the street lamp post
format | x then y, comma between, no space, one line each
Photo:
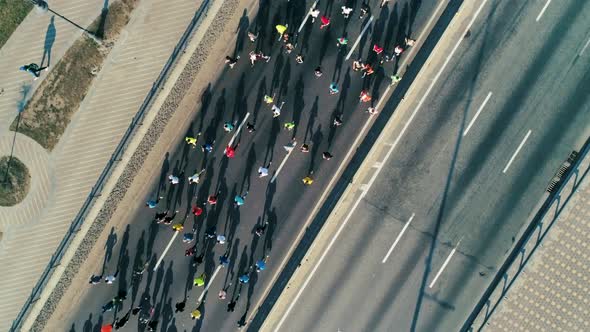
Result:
43,7
11,150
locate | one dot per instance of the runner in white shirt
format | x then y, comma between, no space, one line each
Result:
263,171
346,11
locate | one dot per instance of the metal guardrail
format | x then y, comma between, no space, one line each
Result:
519,249
119,150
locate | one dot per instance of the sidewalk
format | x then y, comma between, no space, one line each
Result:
62,179
552,294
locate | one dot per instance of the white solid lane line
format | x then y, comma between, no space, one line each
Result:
398,238
543,10
585,47
374,177
477,113
356,43
165,250
233,138
208,284
307,16
517,151
442,268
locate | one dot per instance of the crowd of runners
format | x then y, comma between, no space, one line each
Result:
378,57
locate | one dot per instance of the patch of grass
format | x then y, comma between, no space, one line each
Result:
12,13
50,109
15,186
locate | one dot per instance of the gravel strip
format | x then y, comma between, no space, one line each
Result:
137,160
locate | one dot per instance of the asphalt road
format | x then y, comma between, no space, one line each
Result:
284,204
461,190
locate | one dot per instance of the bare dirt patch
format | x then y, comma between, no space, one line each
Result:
50,109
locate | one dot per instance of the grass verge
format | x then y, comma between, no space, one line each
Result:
50,109
15,184
12,13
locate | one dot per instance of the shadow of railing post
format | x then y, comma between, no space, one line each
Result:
96,190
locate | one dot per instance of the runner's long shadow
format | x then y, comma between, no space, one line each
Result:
233,255
98,325
403,23
172,187
286,75
253,247
276,74
272,140
159,280
211,130
242,268
250,162
187,147
298,103
325,43
340,55
316,140
241,32
261,22
163,172
234,222
271,189
414,7
190,194
172,327
123,261
87,327
138,263
167,316
258,101
390,30
379,75
109,245
307,29
344,93
379,27
364,38
296,10
272,227
49,41
328,9
179,190
251,285
161,307
206,98
313,114
276,20
240,105
153,232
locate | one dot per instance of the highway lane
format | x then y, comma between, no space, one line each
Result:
285,204
458,187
